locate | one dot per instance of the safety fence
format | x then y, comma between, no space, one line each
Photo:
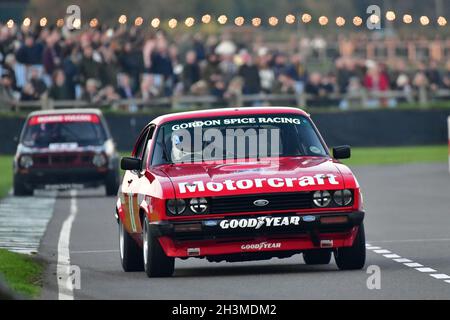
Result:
353,100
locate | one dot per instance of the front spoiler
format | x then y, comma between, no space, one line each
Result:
209,239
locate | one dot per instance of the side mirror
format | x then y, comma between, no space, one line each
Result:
341,152
130,163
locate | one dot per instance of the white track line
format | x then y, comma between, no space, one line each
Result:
96,251
413,240
409,263
65,290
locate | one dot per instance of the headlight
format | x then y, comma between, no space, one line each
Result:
198,205
321,198
343,197
26,161
176,206
99,160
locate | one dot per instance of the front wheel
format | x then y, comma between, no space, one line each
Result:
21,189
156,263
130,252
354,257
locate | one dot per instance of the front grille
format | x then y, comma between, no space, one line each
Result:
62,160
277,201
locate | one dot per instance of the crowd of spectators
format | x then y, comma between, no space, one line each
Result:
103,65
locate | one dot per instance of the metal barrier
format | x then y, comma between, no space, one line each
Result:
354,100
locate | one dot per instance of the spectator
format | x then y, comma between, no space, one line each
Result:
6,86
250,75
36,81
28,93
90,91
59,89
90,64
191,71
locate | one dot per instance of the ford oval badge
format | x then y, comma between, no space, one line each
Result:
261,202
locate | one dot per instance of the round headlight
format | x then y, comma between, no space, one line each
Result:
176,206
99,160
198,205
26,161
343,197
321,198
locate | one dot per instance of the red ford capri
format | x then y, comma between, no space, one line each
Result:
237,185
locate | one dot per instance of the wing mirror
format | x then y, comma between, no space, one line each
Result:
130,163
341,152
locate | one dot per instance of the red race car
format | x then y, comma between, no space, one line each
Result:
61,149
237,185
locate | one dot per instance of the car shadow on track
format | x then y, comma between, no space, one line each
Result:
236,270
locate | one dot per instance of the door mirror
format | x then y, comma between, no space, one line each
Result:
130,163
341,152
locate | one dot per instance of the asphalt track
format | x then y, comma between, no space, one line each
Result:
407,227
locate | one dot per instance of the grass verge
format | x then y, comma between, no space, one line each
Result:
22,273
6,174
398,155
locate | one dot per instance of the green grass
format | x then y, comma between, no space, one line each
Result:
22,273
6,174
397,155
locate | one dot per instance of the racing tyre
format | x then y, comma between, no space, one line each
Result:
354,257
156,263
20,189
112,183
319,256
130,252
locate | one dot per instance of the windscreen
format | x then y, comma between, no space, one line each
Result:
67,130
246,137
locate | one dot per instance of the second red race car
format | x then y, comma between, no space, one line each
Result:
237,185
62,149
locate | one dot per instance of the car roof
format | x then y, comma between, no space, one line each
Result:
211,113
66,111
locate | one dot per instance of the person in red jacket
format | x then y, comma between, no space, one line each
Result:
376,80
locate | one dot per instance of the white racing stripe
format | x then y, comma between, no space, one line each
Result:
65,289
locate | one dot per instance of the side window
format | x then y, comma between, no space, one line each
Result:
139,148
148,146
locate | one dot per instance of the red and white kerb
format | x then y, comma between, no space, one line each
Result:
58,118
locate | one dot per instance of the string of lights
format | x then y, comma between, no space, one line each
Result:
290,19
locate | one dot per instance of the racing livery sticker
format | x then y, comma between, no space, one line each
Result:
257,223
230,185
261,246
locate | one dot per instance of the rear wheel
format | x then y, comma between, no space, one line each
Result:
354,257
318,256
156,263
130,252
20,188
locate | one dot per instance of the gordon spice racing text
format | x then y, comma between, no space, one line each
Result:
236,185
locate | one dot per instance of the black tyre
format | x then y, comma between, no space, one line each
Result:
156,263
354,257
130,252
319,256
112,183
21,189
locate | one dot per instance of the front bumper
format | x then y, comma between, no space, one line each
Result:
40,177
208,237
